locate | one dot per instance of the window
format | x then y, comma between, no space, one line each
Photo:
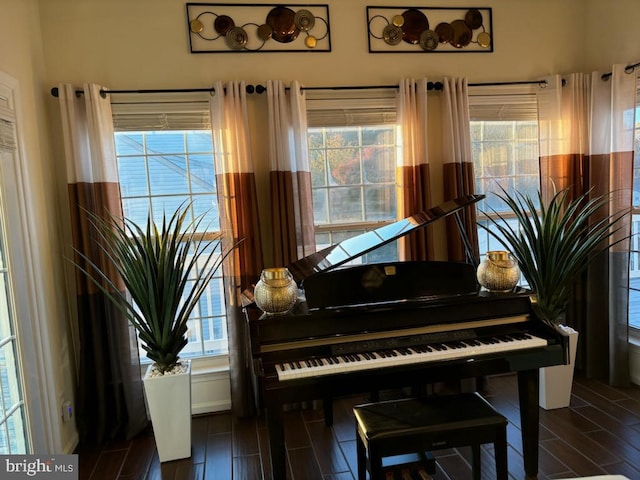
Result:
353,146
165,160
504,139
634,259
13,425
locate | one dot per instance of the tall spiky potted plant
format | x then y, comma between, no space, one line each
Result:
165,268
553,243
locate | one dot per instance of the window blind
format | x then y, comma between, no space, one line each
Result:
7,135
503,102
347,108
503,107
139,116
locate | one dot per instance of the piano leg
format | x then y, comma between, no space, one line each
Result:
327,406
275,426
528,384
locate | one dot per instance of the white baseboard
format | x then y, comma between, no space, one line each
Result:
210,392
70,447
634,363
210,407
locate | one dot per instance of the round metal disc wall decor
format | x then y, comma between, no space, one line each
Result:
429,40
445,32
304,20
225,27
415,22
281,21
429,29
236,38
461,34
392,34
223,24
473,18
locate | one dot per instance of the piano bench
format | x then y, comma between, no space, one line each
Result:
398,427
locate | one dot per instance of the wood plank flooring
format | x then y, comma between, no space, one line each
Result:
598,434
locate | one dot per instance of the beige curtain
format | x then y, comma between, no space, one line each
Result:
586,143
412,172
612,118
110,400
290,174
563,126
239,222
458,175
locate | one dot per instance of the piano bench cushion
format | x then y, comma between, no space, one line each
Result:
600,477
397,427
446,413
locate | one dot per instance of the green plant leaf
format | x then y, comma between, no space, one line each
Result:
553,246
165,268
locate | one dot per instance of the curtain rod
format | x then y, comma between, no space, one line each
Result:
259,89
103,93
531,82
628,69
430,86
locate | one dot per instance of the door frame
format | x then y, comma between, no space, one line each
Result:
30,313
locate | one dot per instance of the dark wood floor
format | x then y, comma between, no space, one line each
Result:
598,434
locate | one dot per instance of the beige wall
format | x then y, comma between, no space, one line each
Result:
611,34
144,44
137,44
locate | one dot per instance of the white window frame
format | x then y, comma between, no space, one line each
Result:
502,102
208,368
634,332
38,363
352,108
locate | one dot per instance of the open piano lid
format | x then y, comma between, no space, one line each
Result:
345,251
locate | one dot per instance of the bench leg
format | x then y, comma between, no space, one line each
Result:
500,450
362,458
327,406
375,463
476,465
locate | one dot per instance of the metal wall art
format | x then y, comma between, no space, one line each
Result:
226,27
429,29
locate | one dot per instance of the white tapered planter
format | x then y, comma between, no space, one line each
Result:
169,403
556,381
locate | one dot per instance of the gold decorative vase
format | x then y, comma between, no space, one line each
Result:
498,272
276,292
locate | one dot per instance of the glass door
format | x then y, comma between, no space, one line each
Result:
13,431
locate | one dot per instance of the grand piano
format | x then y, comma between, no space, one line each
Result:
364,328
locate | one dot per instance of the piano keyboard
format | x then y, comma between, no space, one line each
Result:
330,365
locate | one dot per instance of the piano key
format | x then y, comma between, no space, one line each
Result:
406,356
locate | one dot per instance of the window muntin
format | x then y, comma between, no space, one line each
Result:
165,165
